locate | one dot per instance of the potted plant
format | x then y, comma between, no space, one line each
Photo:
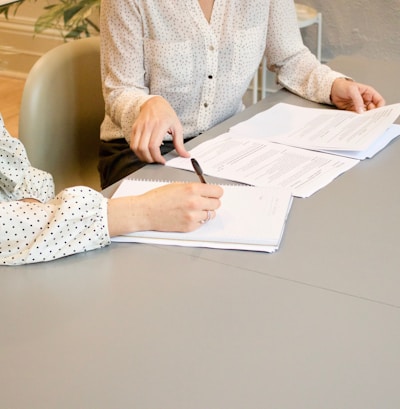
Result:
74,18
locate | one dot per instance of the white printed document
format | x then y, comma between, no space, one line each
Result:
259,163
380,143
319,129
249,218
302,149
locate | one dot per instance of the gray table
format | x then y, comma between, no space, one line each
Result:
315,325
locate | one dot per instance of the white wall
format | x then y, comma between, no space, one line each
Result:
370,28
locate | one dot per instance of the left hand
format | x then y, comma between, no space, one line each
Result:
156,119
353,96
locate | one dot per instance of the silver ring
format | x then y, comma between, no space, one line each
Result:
208,218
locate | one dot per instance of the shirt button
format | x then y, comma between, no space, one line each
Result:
210,77
211,48
205,104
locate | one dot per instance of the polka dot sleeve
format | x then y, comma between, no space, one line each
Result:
18,179
74,221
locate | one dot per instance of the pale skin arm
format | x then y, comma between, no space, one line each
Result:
177,207
353,96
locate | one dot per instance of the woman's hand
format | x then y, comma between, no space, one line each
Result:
353,96
176,207
156,119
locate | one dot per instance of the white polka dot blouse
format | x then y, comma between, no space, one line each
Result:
168,48
51,227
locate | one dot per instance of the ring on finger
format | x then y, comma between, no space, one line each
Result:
208,217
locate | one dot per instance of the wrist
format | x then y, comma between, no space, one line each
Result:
125,215
335,83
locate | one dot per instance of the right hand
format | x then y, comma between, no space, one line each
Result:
181,207
155,120
175,207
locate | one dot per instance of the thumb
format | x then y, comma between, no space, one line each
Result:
357,100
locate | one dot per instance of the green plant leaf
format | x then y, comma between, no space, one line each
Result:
72,17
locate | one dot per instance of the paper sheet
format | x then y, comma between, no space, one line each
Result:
259,163
316,128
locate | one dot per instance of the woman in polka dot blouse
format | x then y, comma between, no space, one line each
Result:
35,226
173,69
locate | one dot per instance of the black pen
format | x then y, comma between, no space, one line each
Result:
198,170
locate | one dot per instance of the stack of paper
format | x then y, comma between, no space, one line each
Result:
301,149
329,130
249,218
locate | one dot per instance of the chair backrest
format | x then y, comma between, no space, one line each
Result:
61,111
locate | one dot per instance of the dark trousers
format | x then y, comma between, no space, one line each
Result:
116,160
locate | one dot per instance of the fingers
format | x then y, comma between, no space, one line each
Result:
209,202
365,98
210,214
369,106
357,100
354,96
156,119
371,98
146,139
179,206
179,146
374,100
199,203
208,190
146,144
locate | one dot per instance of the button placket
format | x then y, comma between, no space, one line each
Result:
209,88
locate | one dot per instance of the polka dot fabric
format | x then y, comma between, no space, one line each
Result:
18,179
74,221
168,48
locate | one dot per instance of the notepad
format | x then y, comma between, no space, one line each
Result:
250,218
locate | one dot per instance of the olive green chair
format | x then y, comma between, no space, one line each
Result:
61,111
